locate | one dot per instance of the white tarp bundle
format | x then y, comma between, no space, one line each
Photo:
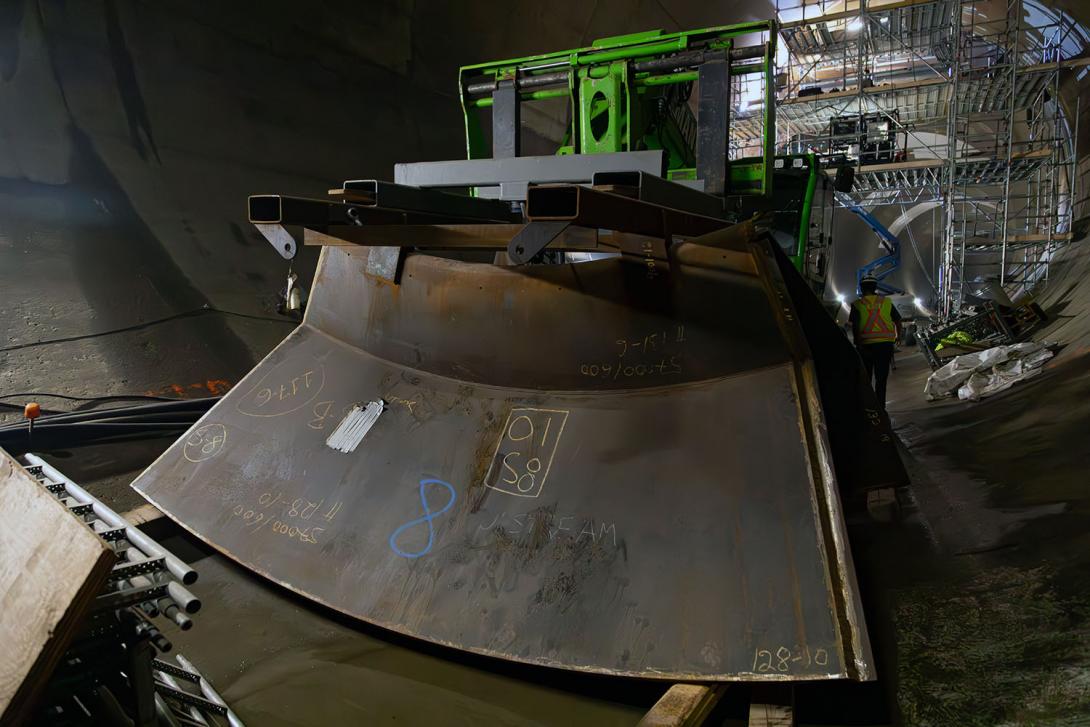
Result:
976,375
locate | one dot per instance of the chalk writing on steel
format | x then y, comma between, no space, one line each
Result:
407,403
425,520
784,660
283,390
205,442
525,450
542,523
257,520
658,353
648,250
618,369
665,340
321,412
293,519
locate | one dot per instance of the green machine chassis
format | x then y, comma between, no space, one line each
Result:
630,93
801,212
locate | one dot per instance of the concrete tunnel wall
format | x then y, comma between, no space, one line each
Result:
132,132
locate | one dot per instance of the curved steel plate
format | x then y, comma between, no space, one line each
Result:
602,467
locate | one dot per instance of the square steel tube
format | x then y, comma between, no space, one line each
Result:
389,195
657,190
577,168
591,208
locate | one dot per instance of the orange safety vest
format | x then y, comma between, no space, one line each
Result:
875,319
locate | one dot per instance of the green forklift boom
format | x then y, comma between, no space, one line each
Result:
631,92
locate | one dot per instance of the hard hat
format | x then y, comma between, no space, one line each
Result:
868,280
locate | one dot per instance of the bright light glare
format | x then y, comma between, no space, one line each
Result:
840,298
854,26
917,302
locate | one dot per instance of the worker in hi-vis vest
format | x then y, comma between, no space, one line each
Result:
876,327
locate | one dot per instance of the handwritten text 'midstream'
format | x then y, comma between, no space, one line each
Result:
554,526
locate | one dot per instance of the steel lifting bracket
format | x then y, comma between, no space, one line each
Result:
533,238
281,240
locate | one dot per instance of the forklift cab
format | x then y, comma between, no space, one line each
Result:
800,213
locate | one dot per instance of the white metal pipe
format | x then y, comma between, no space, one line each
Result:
176,591
165,713
175,565
209,691
173,684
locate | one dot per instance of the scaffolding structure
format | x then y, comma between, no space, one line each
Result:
949,103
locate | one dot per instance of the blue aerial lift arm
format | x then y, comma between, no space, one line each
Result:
880,268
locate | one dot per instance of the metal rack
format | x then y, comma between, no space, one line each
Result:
971,101
111,672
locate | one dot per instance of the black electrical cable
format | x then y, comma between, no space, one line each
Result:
73,435
20,407
148,324
47,395
75,428
98,427
106,397
109,397
178,408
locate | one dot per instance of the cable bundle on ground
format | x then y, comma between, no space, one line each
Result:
50,431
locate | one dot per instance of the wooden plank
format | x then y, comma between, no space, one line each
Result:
905,85
142,514
350,195
450,237
455,236
927,163
908,164
772,705
684,705
1032,154
885,88
872,9
1047,67
771,715
1019,239
870,91
51,568
830,96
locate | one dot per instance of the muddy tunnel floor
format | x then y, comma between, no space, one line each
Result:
984,588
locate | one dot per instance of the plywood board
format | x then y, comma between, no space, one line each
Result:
51,568
684,705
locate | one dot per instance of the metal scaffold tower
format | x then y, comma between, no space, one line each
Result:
952,104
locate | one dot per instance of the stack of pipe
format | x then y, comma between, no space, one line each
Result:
147,582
